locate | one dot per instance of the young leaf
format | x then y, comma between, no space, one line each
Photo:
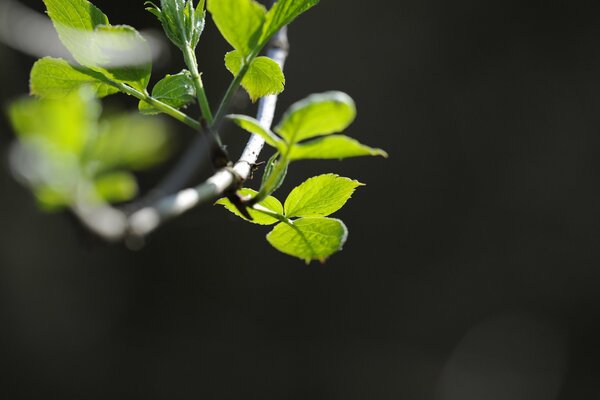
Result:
320,196
55,78
259,218
333,147
253,126
182,23
283,13
268,183
74,20
175,90
116,187
309,238
124,55
239,21
318,114
264,76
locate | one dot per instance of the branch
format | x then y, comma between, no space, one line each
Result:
113,224
146,220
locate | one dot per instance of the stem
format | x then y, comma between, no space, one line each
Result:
192,64
159,105
233,87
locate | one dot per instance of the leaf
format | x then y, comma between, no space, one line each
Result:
264,76
128,141
333,147
55,78
320,196
253,126
283,13
318,114
116,187
182,23
124,55
259,218
270,169
58,126
309,238
72,19
175,90
239,21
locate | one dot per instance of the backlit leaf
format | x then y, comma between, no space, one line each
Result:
320,196
239,21
318,114
259,218
309,238
264,76
333,147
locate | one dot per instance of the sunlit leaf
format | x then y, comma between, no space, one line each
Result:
320,196
271,203
55,78
175,90
253,126
282,13
333,147
309,238
239,21
318,114
264,76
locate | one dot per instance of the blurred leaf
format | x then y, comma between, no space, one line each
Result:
116,187
283,13
239,21
320,196
55,78
264,76
253,126
259,218
333,147
309,238
318,114
129,141
64,125
175,90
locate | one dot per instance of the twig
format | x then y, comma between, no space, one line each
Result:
146,220
113,224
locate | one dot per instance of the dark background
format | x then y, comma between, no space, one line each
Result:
471,270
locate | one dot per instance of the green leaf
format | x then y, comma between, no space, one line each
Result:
318,114
333,147
239,21
74,20
55,78
253,126
259,218
175,90
58,126
128,141
182,23
269,183
116,187
124,55
309,238
320,196
264,76
283,13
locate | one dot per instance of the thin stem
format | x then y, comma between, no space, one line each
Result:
192,64
159,105
233,87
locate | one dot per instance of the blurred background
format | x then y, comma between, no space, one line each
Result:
472,267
